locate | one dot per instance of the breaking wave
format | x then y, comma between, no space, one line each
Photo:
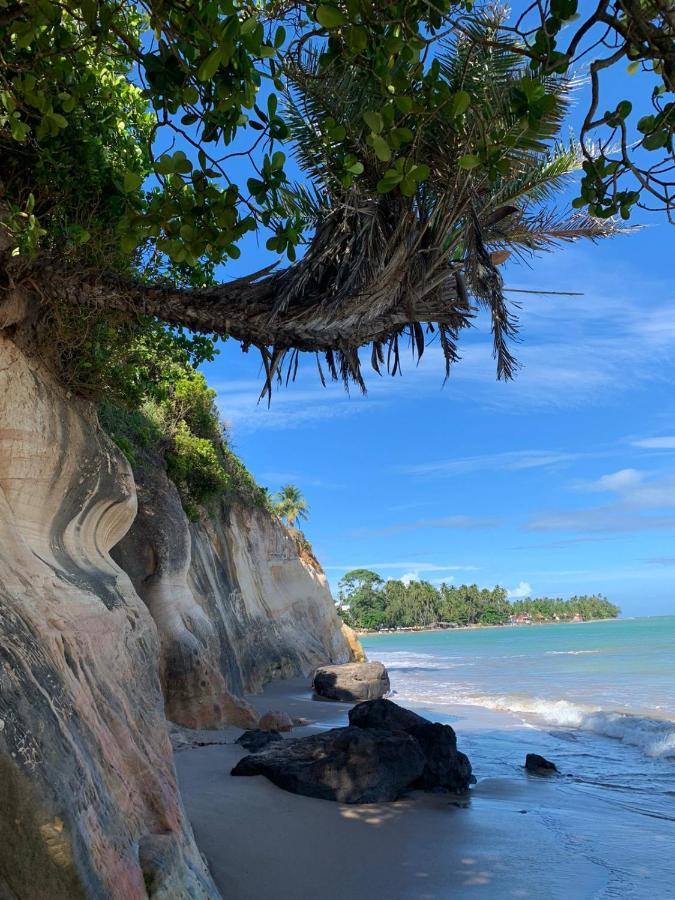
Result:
654,737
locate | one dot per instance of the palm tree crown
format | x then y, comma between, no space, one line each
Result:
388,241
290,505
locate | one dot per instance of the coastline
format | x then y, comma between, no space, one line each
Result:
515,835
426,629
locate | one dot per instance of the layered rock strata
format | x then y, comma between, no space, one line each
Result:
89,804
235,602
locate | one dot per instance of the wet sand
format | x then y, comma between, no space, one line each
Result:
516,836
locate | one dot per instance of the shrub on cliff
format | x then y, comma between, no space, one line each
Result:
158,402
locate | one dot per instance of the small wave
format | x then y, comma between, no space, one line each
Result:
570,652
654,737
398,660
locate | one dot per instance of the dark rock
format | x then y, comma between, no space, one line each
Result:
351,681
384,714
539,765
445,768
350,765
256,740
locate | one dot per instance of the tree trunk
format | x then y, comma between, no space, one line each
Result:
365,280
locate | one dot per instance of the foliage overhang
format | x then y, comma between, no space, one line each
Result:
429,144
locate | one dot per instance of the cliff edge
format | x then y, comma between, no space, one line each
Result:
92,651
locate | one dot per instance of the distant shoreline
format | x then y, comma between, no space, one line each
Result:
416,629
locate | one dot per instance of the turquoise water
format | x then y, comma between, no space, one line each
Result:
615,679
598,699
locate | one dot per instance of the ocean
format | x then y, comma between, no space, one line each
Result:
597,698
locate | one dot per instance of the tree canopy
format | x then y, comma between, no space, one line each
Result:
290,505
141,141
367,601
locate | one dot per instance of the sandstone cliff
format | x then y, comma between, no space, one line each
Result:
89,804
235,602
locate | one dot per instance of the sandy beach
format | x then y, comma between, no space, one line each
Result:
515,836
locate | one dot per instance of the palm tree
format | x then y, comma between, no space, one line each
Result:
290,505
434,251
409,265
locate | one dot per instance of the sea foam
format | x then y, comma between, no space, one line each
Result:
654,737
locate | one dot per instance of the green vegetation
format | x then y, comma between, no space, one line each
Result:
376,604
141,141
290,505
169,412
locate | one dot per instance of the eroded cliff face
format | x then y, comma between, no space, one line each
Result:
92,652
156,553
270,599
235,601
89,804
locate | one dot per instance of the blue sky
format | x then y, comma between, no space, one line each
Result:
560,482
563,480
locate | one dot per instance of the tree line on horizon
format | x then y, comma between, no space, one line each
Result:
366,600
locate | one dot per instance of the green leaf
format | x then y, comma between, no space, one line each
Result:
209,67
356,168
132,181
374,121
330,17
655,140
408,186
392,176
59,120
420,173
460,103
357,38
381,148
247,26
164,165
469,161
646,123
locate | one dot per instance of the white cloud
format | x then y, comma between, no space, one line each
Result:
524,589
636,489
514,460
299,478
459,522
637,496
666,442
609,518
410,576
615,482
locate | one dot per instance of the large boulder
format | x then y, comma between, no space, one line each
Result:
445,767
352,681
350,765
383,713
275,720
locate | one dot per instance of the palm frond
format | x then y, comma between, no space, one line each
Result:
397,269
